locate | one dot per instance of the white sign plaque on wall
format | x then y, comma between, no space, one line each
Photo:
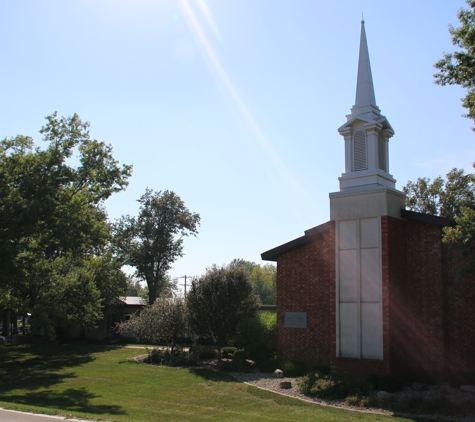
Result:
295,320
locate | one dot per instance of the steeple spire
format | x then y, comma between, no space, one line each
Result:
366,134
364,87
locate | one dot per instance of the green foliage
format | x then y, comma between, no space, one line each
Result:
218,301
263,278
458,68
154,240
334,386
165,320
175,357
360,401
239,362
453,198
228,351
293,369
134,288
463,235
446,198
50,210
258,336
203,352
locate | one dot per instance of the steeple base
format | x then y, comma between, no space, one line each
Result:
365,178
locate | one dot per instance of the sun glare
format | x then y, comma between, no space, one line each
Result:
306,202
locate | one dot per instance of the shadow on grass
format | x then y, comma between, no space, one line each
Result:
32,368
210,375
71,400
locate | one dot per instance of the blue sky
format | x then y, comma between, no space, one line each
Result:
234,105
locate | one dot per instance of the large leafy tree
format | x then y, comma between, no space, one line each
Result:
154,240
458,68
454,198
444,197
218,301
53,227
262,277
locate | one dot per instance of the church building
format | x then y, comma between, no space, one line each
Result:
374,290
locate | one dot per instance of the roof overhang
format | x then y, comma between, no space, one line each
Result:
309,237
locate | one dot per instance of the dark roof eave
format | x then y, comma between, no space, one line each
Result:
273,254
425,218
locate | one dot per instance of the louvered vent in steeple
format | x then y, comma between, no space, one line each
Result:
359,151
382,152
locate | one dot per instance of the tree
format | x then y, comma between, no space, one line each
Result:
53,228
135,288
446,198
218,301
458,68
463,235
262,277
453,198
154,240
165,320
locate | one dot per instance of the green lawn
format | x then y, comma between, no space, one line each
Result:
99,383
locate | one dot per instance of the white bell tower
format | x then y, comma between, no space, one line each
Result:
367,192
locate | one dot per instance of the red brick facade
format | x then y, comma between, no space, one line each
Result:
428,313
306,283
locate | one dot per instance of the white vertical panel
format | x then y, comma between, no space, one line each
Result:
347,235
369,228
348,276
349,341
370,275
371,322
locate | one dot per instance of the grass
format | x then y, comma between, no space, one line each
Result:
100,383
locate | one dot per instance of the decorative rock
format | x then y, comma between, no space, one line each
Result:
418,386
382,395
278,373
468,388
285,384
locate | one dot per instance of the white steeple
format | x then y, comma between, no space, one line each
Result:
366,134
364,86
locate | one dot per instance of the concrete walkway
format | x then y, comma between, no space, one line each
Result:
14,416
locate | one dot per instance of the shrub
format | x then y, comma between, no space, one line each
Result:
202,352
239,363
334,386
228,351
306,382
293,369
175,357
258,336
363,401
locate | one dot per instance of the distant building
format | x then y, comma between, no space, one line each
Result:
374,290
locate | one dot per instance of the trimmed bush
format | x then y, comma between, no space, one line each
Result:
334,386
166,357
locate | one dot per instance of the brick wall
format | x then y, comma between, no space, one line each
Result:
416,299
459,323
428,312
306,283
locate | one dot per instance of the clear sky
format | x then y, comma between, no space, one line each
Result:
234,104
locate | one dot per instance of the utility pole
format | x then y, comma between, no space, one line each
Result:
185,276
